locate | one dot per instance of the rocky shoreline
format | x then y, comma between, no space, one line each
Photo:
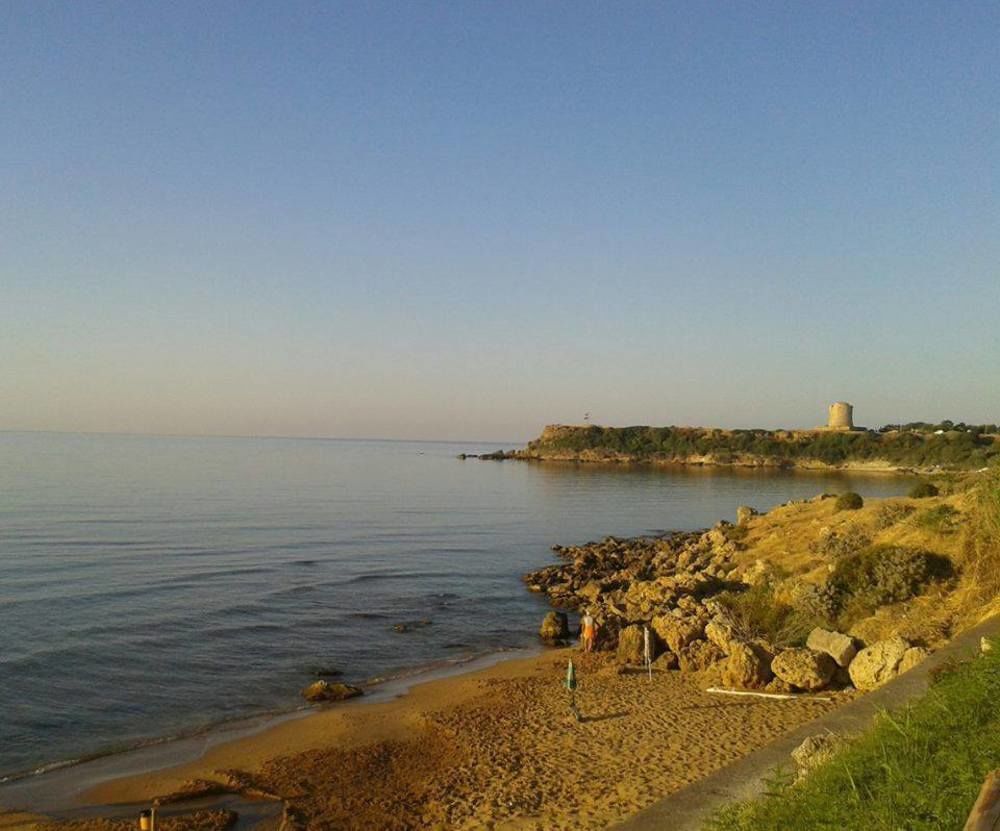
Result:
681,587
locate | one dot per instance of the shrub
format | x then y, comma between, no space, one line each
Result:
922,490
849,501
892,513
840,543
884,574
943,519
755,613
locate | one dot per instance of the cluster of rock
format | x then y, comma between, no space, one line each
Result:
669,584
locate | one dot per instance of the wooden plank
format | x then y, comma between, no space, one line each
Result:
985,814
778,696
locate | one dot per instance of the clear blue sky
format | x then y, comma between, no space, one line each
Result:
465,220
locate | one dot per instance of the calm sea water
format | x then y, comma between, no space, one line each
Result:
150,586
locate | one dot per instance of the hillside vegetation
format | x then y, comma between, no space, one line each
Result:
920,767
906,450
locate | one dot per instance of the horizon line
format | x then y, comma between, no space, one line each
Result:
140,434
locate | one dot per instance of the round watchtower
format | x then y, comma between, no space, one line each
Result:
840,416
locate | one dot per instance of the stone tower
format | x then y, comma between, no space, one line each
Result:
841,416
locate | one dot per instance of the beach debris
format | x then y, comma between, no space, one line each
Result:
554,629
325,691
804,669
985,813
772,695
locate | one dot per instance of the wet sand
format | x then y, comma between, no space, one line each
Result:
494,749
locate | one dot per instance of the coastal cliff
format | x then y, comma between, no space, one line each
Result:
896,451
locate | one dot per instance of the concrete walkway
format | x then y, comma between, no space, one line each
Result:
689,807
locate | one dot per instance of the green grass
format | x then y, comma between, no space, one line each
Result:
944,519
918,769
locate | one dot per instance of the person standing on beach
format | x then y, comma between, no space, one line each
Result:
588,631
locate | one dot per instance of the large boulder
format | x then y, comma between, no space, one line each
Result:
676,632
839,647
630,645
699,655
804,668
747,667
913,656
325,691
876,664
554,628
744,513
722,635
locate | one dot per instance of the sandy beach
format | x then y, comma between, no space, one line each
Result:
494,749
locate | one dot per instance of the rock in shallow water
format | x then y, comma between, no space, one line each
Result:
325,691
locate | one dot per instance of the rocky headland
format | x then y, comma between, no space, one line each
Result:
867,450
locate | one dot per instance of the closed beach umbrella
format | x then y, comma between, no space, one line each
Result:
570,683
570,676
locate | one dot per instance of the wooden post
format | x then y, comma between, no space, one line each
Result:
985,814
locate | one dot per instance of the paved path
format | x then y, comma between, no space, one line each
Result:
689,807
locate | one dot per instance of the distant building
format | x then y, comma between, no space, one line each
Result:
840,416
